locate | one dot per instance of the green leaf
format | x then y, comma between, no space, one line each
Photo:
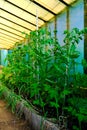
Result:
53,104
75,128
37,102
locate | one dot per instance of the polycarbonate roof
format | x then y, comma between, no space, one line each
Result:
17,16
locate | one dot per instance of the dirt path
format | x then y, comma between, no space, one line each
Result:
9,121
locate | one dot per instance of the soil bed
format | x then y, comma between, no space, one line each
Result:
9,121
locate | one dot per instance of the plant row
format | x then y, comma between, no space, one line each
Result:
44,73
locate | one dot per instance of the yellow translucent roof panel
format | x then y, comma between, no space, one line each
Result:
31,7
5,36
69,1
10,34
22,3
6,40
18,12
48,4
12,9
32,19
4,47
1,3
37,10
59,7
16,20
18,16
54,5
11,30
5,44
13,25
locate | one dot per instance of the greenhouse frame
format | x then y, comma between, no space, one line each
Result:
43,62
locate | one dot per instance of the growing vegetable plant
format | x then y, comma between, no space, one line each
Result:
44,72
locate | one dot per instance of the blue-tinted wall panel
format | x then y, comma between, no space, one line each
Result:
61,26
0,57
3,56
76,18
77,15
51,27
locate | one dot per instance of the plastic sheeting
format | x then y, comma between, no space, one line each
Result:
17,16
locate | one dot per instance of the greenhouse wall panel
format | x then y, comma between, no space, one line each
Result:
3,56
77,21
0,57
61,26
51,27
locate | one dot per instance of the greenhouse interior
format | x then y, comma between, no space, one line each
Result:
43,64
